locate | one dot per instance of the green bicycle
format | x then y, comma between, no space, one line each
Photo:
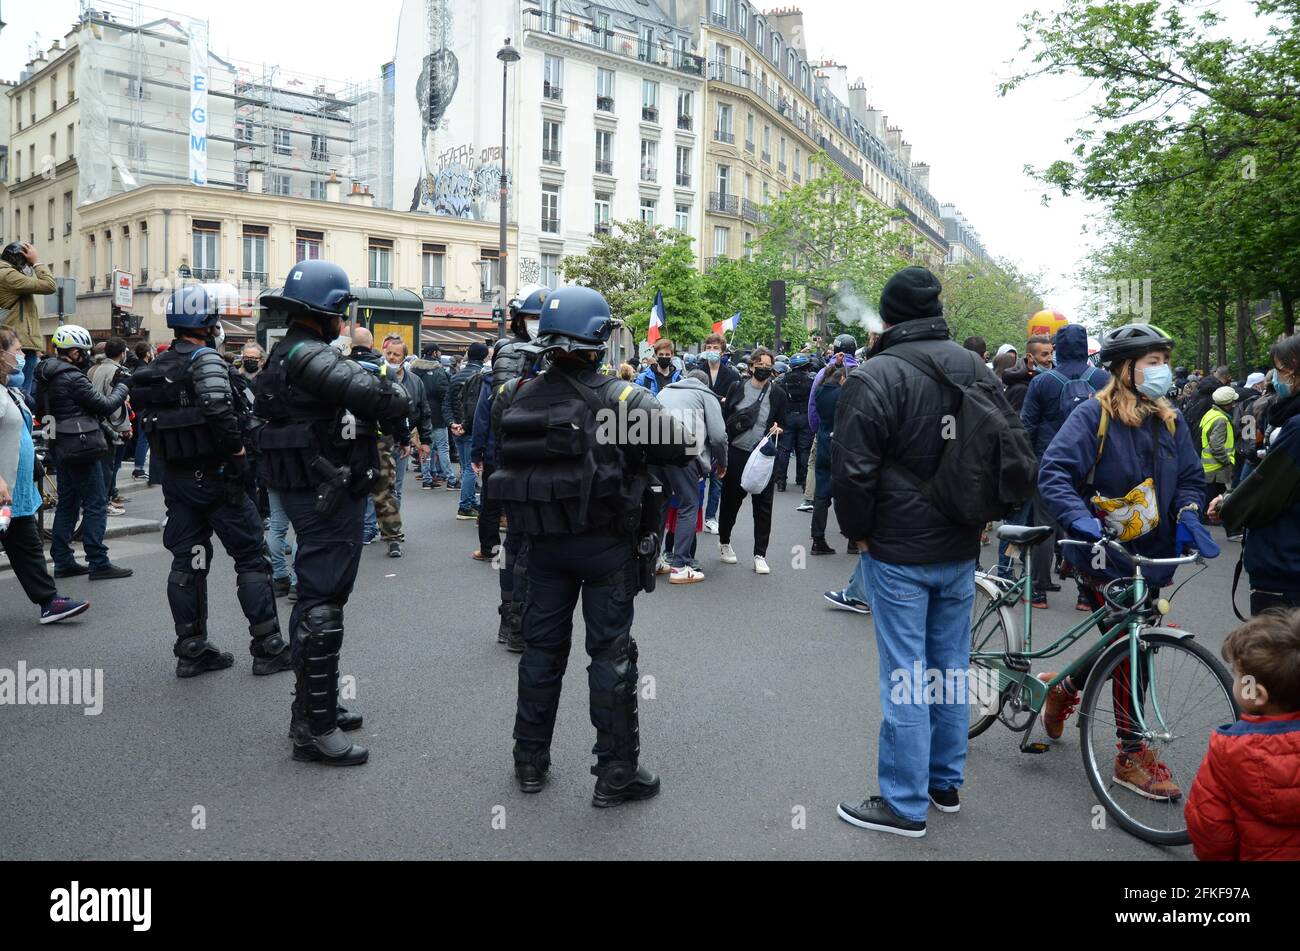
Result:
1181,691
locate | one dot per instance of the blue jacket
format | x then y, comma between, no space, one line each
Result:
1041,414
483,444
1125,462
1267,503
652,381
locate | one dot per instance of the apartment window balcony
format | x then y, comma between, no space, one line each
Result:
551,225
92,282
616,42
602,227
752,211
67,228
797,176
318,155
144,275
202,273
723,203
767,157
605,103
604,166
780,167
650,174
254,277
721,135
749,147
684,179
719,19
384,285
684,123
650,113
433,292
710,262
552,92
551,156
108,280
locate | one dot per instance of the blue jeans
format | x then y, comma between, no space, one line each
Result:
464,445
370,523
437,464
922,621
81,488
858,588
282,550
141,448
715,497
109,466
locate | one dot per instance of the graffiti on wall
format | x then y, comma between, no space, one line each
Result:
530,271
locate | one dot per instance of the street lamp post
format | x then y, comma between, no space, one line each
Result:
507,54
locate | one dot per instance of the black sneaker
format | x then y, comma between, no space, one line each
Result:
109,572
72,570
820,547
467,515
618,784
875,814
211,659
945,800
394,549
272,663
780,487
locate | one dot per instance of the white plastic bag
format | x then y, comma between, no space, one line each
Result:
758,470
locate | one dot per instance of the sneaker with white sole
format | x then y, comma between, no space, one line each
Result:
760,565
115,509
711,526
662,567
685,575
727,555
874,813
804,507
838,599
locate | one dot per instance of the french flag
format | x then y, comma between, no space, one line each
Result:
656,319
723,326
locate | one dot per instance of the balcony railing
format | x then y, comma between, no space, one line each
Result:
486,294
550,225
684,179
108,283
433,292
254,277
752,211
604,166
51,237
319,155
602,227
92,280
649,173
918,223
67,228
383,285
797,176
722,135
767,157
853,169
710,262
552,92
551,156
718,19
201,274
684,123
650,113
723,203
780,167
605,103
614,41
749,146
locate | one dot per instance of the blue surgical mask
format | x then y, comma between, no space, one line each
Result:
20,361
712,356
1156,381
1283,388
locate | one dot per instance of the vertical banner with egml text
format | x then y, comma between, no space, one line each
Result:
198,102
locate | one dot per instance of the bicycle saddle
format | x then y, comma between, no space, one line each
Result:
1024,534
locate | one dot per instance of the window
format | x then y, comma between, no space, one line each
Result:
789,65
204,263
551,209
54,93
803,77
71,149
648,210
125,261
798,163
649,100
54,149
603,200
767,143
553,78
49,217
307,246
318,190
280,184
604,35
320,148
721,242
749,185
718,11
724,179
776,48
722,125
551,142
92,256
685,109
683,166
490,279
67,213
760,34
744,19
749,250
254,248
683,52
683,219
549,10
433,267
646,46
380,260
550,270
649,160
144,249
781,153
18,172
281,139
604,152
72,83
605,90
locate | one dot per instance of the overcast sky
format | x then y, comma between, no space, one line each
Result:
931,65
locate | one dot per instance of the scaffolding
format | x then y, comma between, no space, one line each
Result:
134,76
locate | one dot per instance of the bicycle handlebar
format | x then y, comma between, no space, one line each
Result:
1191,558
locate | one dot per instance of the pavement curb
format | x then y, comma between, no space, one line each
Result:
118,527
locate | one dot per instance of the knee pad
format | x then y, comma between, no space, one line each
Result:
187,579
324,625
260,576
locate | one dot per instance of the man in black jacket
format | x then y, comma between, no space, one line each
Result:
797,439
69,402
436,467
462,400
722,379
890,426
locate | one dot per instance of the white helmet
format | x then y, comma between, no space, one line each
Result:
70,335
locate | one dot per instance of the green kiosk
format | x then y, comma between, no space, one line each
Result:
381,310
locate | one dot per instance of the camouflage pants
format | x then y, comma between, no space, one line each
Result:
385,495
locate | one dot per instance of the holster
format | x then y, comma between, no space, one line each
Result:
333,484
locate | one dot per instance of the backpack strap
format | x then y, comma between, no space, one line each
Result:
1103,427
1236,580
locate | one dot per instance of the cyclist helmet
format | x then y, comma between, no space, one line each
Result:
71,336
1132,342
846,343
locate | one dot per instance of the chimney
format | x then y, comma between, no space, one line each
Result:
894,138
858,104
255,178
56,47
361,195
921,172
905,153
788,21
333,188
871,118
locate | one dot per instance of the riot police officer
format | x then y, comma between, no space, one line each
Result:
186,407
320,452
512,358
576,486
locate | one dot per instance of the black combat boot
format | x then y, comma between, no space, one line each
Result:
619,779
820,547
618,783
515,630
532,774
269,650
319,739
195,655
503,629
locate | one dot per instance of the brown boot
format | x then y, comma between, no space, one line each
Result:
1060,704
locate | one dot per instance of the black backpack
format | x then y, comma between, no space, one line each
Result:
469,399
987,468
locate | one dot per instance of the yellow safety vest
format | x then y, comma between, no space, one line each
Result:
1208,461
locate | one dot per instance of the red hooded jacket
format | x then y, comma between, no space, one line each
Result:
1245,802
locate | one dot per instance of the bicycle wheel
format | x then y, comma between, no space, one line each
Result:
1183,693
992,631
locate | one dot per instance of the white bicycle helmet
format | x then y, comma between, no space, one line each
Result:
69,336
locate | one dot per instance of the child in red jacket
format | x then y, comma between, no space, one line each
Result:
1245,803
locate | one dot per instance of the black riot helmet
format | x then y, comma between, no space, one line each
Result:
846,343
316,289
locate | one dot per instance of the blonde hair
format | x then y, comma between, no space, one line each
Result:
626,371
1125,404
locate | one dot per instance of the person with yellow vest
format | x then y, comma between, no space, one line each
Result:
1218,443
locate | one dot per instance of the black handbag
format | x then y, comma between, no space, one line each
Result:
79,440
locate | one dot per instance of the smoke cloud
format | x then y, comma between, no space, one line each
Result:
851,308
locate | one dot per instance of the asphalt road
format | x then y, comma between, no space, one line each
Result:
764,716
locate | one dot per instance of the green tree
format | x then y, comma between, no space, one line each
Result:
674,274
618,265
993,300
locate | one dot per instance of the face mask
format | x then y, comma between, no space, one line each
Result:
251,365
762,373
712,356
1155,381
1283,388
20,361
665,362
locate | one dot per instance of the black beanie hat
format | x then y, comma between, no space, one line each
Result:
911,294
477,352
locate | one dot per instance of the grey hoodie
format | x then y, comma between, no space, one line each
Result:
694,402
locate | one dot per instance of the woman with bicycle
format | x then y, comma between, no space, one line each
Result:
1123,466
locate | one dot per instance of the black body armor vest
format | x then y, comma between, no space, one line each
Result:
167,407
